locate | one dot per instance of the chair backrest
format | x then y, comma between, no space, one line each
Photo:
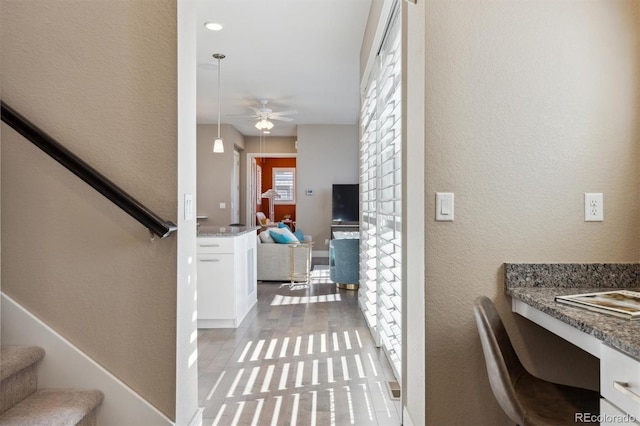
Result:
503,365
262,219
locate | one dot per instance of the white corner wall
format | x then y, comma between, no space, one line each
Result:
413,198
187,410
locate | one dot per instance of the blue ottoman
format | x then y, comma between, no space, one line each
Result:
344,263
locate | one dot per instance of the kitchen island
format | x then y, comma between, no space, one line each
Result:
227,280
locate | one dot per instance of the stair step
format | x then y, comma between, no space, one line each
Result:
15,358
18,373
53,407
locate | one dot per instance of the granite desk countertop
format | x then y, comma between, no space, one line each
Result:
537,285
618,333
225,231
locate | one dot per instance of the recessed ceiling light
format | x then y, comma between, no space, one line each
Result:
213,26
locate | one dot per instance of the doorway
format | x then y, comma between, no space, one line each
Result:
260,179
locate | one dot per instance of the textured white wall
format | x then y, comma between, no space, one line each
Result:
100,77
528,106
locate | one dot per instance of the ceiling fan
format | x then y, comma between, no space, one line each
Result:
265,113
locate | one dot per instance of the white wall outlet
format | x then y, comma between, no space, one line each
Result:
593,207
223,205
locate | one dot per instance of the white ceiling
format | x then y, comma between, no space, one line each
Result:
299,54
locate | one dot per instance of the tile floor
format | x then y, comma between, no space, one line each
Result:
302,356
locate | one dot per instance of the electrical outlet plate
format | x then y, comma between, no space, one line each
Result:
593,207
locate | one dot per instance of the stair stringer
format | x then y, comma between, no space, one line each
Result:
65,366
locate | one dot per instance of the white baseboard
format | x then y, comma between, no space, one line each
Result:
197,419
406,418
64,365
320,253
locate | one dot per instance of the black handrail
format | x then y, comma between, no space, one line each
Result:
84,171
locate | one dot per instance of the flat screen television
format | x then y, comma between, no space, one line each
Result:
345,203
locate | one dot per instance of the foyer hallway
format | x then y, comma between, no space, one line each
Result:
303,356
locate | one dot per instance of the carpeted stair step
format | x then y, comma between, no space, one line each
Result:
18,373
55,407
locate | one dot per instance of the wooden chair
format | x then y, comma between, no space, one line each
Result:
526,399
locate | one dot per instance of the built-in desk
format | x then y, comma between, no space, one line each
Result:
615,341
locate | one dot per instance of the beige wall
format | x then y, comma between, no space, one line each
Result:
215,173
99,76
528,106
271,145
326,155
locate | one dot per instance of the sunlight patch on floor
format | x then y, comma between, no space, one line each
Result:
305,300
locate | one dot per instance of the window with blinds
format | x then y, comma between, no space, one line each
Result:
381,197
284,182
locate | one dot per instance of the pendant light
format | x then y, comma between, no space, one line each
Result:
218,144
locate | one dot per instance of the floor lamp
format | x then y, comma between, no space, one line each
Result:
271,194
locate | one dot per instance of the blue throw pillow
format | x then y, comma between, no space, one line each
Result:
299,235
283,225
283,236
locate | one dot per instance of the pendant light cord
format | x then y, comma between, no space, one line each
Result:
218,56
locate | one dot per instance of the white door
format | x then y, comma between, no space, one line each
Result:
253,192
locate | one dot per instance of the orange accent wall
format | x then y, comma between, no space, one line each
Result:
267,182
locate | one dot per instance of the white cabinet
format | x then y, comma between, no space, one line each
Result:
227,282
620,381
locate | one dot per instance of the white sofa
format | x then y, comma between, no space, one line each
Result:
274,261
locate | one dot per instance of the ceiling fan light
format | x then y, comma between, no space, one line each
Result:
264,124
218,145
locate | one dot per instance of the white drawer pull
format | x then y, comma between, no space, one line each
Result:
209,260
624,388
209,245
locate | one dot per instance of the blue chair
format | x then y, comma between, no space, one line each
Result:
344,263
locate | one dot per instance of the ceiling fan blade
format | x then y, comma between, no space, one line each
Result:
241,116
287,119
289,112
257,111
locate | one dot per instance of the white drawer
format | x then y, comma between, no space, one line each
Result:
610,415
620,380
215,245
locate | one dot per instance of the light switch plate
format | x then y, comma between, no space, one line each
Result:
188,206
223,205
444,206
